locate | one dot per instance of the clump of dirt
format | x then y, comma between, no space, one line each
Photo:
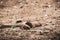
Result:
8,2
57,2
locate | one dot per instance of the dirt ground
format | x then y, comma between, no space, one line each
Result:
29,19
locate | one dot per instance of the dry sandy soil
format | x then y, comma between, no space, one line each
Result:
29,19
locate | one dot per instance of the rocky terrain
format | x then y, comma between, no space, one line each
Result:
29,19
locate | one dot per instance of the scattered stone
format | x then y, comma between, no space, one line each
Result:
19,21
